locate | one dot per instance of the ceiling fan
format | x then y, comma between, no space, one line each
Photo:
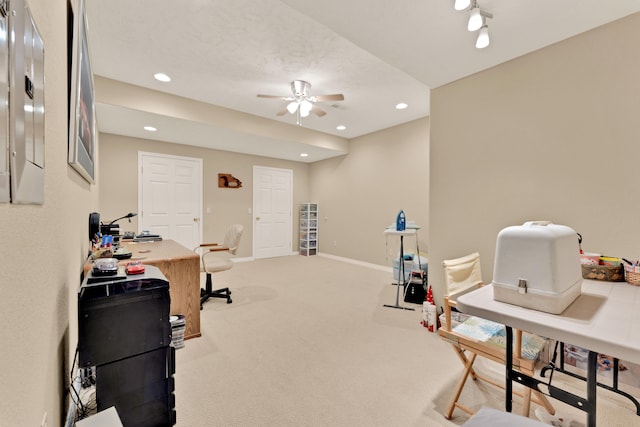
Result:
302,102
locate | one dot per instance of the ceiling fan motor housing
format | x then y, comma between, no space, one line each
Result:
300,88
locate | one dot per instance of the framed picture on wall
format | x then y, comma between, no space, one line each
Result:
82,118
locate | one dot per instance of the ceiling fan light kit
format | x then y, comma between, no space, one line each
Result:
477,20
292,107
301,102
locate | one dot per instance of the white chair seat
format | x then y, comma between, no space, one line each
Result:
216,263
489,417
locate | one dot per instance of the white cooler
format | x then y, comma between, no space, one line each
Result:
537,265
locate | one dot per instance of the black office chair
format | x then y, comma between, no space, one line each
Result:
214,258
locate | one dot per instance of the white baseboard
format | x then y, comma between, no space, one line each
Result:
334,257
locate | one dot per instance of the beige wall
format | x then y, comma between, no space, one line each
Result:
42,250
552,135
119,185
360,194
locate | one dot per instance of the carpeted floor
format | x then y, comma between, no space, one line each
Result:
307,342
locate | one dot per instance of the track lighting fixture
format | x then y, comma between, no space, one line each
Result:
477,20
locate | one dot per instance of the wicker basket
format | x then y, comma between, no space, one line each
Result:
631,276
605,273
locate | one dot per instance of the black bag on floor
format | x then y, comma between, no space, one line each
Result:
416,289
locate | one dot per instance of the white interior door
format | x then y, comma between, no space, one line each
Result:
170,197
272,212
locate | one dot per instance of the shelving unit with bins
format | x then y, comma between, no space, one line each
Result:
308,229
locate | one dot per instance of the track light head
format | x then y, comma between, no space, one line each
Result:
483,37
462,4
476,20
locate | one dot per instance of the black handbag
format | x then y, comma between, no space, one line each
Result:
416,290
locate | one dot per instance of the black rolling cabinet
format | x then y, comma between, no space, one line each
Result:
125,335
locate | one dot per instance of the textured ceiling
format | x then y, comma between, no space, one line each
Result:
376,52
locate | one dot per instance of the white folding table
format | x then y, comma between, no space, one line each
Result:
605,318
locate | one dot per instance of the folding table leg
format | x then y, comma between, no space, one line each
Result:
592,369
508,366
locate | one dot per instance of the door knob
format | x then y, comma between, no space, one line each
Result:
257,218
196,219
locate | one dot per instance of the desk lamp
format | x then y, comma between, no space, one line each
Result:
114,229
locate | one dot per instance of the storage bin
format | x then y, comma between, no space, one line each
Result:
416,263
632,274
605,273
537,265
408,265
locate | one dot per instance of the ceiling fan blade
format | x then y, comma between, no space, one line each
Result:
274,97
318,112
282,112
334,97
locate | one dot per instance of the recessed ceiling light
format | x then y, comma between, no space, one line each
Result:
304,155
401,106
150,128
162,77
341,127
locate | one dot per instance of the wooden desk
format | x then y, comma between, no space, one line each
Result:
181,267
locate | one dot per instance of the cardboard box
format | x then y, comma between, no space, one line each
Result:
575,360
